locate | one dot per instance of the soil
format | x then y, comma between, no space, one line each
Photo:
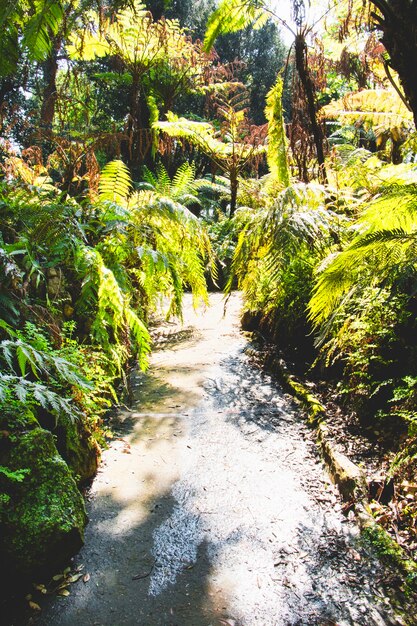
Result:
212,507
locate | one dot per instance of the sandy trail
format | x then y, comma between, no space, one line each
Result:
212,506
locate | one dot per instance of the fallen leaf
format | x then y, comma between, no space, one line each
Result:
75,578
34,606
63,592
86,578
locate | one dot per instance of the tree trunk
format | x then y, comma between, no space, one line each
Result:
399,36
308,87
233,192
50,94
137,149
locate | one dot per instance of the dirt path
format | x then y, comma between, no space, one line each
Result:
212,507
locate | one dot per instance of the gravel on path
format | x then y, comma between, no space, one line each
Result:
212,506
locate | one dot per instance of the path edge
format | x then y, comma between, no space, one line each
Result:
349,478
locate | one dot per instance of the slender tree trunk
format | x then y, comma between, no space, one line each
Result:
137,148
399,35
233,192
7,86
396,156
308,87
50,94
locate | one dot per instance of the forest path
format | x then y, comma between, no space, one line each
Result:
212,508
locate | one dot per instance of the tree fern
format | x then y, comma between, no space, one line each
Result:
276,233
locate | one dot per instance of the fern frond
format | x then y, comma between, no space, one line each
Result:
41,363
380,109
183,180
163,185
141,335
42,26
232,16
385,247
115,182
277,149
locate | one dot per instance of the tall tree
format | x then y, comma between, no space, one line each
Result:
232,16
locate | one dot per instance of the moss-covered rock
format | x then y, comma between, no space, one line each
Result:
43,523
79,449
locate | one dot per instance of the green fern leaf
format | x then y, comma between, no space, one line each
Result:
232,16
115,182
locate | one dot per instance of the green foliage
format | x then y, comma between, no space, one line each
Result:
15,476
115,182
277,149
105,262
230,17
232,148
30,26
182,188
275,256
382,110
382,253
50,374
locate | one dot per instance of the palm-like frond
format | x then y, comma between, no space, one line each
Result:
384,249
42,26
31,26
275,234
379,109
232,16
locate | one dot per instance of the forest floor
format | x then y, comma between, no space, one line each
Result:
212,507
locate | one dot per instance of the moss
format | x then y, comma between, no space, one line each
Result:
391,553
315,409
77,446
44,524
16,420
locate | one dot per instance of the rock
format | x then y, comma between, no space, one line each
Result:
78,448
68,310
349,478
42,526
250,320
54,282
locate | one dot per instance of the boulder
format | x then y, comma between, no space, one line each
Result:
42,525
78,448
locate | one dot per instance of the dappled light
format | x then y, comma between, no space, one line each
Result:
208,313
213,511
